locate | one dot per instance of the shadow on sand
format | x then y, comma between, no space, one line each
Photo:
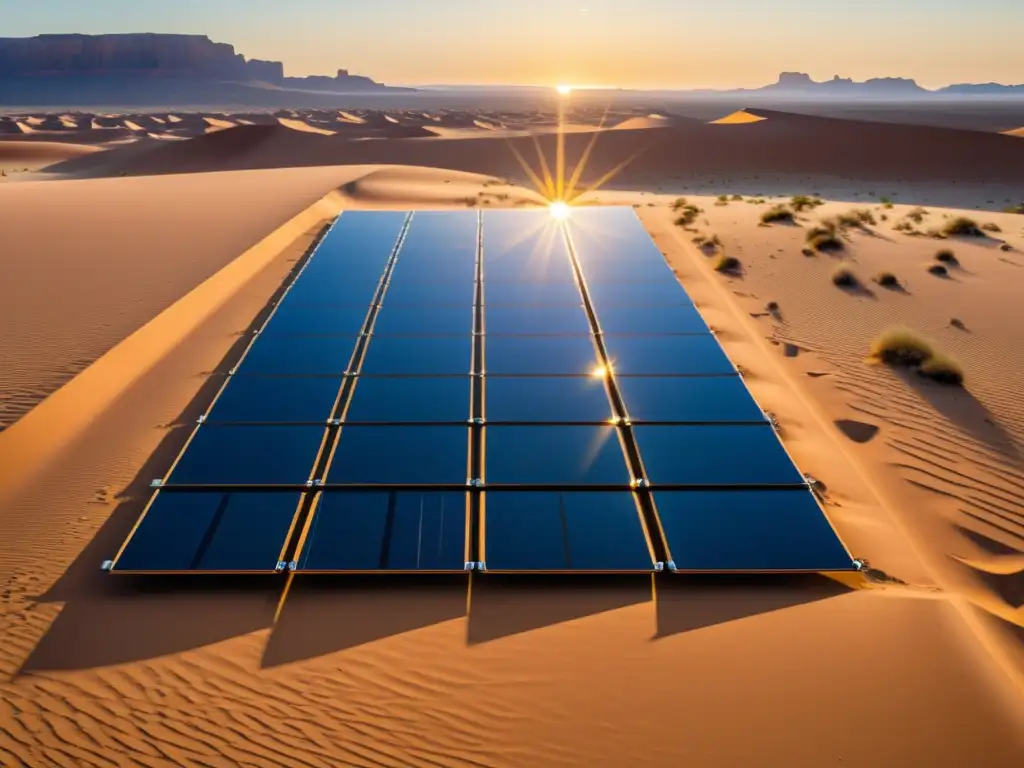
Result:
688,602
502,606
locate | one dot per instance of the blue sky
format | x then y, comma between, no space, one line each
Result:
629,43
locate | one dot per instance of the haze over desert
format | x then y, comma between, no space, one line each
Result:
142,245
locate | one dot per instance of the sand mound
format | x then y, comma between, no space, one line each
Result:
25,127
299,125
348,117
1015,132
40,152
217,123
650,121
133,126
739,117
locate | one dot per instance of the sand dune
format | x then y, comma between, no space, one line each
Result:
217,123
1015,132
650,121
738,118
299,125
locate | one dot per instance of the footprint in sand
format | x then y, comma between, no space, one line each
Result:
858,431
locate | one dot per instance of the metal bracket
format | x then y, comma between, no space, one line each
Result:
309,483
201,419
671,565
318,483
477,422
469,566
639,482
860,564
481,565
334,422
281,565
475,482
232,372
293,566
107,565
659,567
157,483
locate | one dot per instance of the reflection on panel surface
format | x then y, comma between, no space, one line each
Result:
667,355
499,294
410,399
536,320
248,455
279,399
682,318
540,355
418,356
564,531
234,531
401,455
776,530
651,295
683,398
715,455
555,399
558,455
386,530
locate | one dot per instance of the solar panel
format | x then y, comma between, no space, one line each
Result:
551,531
386,531
525,246
341,273
749,530
668,355
401,455
309,290
554,455
293,319
249,455
715,455
540,355
436,293
418,356
276,399
361,237
649,295
212,531
688,399
440,238
609,235
627,271
536,320
424,321
559,399
299,355
682,318
508,294
410,400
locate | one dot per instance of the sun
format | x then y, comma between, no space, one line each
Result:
563,90
559,210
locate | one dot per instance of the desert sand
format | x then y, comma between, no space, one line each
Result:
130,312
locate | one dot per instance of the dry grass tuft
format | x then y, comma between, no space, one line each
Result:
688,212
727,264
845,278
887,280
777,213
946,256
962,226
825,236
917,215
942,369
991,226
859,218
901,346
939,270
804,202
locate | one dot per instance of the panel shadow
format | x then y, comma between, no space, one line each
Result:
509,605
686,602
325,614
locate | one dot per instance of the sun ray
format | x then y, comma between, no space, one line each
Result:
560,151
534,179
545,169
608,176
585,157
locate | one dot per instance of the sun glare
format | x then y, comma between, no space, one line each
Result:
559,210
563,90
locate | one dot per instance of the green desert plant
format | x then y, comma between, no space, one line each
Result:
963,226
844,278
727,264
777,213
804,202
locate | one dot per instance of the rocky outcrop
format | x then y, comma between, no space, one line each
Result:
802,82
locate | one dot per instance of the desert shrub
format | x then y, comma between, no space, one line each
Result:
887,279
1014,208
946,256
845,278
939,270
736,198
825,236
777,213
886,202
687,215
1005,247
917,215
883,217
858,217
679,203
942,369
727,264
772,306
723,198
901,346
936,233
991,226
963,226
804,202
807,251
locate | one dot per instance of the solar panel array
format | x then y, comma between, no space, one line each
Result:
450,391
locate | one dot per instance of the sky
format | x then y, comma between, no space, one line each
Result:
623,43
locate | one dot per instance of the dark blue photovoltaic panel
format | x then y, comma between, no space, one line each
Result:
359,291
626,271
338,273
403,292
264,455
292,319
508,271
418,355
441,237
573,455
389,455
540,355
497,294
524,245
211,531
714,455
387,530
562,399
605,234
424,321
298,355
564,531
698,399
549,320
683,318
279,399
667,355
749,531
439,271
365,237
410,399
651,295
